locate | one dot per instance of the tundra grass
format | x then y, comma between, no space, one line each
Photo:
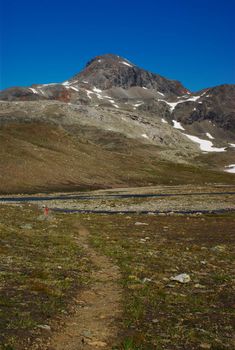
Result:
41,269
158,312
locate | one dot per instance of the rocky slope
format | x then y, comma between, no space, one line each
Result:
115,124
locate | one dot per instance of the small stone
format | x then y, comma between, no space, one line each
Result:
203,262
141,224
182,278
98,343
219,248
44,326
205,346
87,334
26,226
155,321
198,285
147,280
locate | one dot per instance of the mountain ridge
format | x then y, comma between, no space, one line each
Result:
141,129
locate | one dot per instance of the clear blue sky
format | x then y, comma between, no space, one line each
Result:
46,41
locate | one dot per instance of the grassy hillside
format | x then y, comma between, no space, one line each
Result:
45,157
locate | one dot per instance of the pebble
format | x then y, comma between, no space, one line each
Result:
182,278
26,226
44,326
141,224
97,343
205,346
219,248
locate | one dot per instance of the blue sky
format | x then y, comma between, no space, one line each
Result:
51,40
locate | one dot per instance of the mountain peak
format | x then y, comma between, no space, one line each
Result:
110,60
109,70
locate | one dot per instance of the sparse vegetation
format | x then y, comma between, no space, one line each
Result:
160,313
42,267
47,157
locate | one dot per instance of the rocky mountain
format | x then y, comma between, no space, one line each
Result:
132,125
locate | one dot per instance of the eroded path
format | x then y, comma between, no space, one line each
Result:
94,324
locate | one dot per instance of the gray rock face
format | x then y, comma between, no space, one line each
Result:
111,81
109,71
19,94
216,105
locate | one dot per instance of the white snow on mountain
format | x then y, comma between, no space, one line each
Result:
97,90
209,136
174,104
145,136
177,125
138,104
33,90
205,145
230,168
72,87
127,64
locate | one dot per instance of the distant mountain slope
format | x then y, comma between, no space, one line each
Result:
115,124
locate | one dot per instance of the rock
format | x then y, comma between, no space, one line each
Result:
97,343
155,321
205,346
146,280
198,285
203,262
26,226
44,326
182,278
141,224
219,248
87,334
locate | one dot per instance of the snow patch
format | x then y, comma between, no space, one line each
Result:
177,125
96,90
49,84
138,104
172,105
160,93
113,102
42,92
209,136
33,90
164,121
193,98
230,168
205,145
145,136
232,144
127,64
89,93
72,87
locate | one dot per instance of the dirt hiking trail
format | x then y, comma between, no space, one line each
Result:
94,325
